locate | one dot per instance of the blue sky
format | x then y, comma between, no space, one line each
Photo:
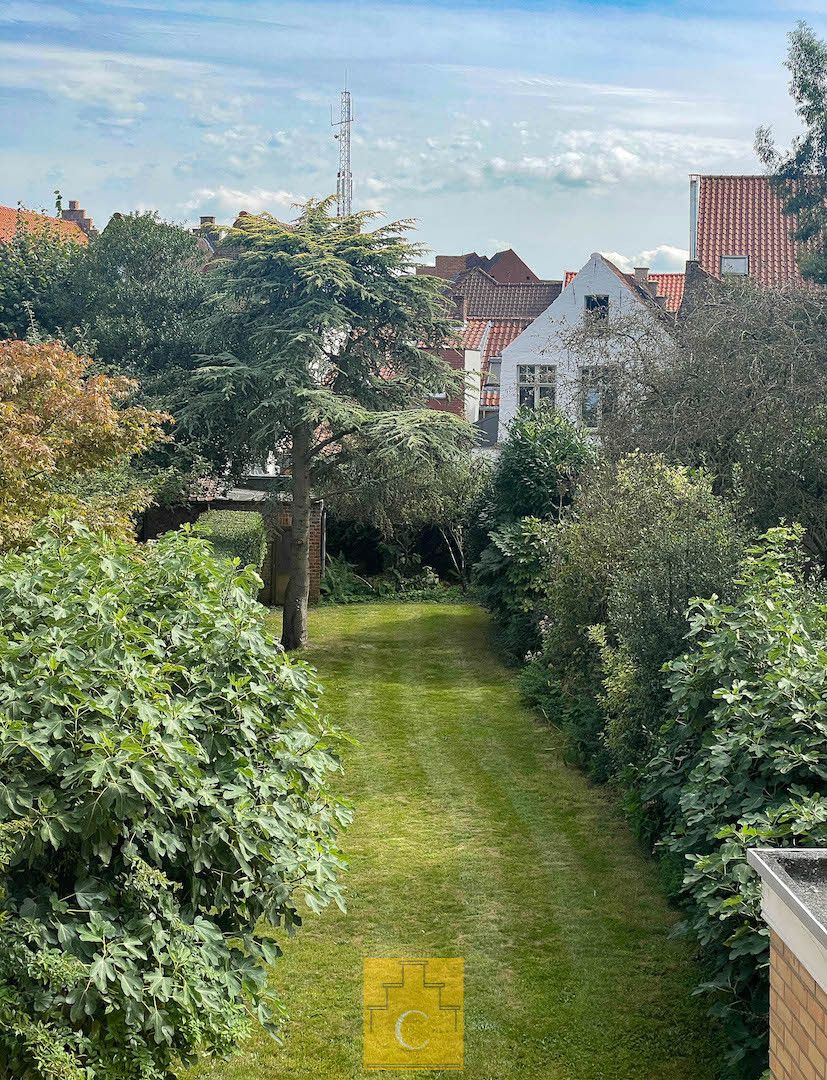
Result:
554,128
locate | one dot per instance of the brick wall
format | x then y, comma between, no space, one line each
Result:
283,520
274,572
798,1018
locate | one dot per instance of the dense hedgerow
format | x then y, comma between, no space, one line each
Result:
644,538
742,762
163,793
235,534
533,482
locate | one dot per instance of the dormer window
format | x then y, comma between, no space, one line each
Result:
735,265
597,306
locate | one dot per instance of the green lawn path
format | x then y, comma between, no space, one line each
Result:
472,838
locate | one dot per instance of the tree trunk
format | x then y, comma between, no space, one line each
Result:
294,621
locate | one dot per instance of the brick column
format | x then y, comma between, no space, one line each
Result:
798,1018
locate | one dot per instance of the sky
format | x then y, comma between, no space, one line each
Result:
557,129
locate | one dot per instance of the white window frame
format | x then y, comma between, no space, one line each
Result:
537,380
592,379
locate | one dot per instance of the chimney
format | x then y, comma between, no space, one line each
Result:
642,275
207,220
78,216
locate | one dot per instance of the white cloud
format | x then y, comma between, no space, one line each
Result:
227,200
110,87
664,259
15,11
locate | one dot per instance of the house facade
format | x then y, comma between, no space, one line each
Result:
539,366
495,299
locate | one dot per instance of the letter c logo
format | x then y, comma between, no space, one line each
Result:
401,1020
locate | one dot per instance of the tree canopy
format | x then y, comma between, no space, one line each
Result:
329,361
60,428
799,174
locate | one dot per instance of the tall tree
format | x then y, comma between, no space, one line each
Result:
35,266
328,363
139,298
800,173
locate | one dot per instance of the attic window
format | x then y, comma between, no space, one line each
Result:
737,265
494,366
597,306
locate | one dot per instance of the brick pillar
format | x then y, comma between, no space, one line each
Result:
798,1018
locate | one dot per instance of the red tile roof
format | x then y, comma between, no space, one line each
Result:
742,215
501,334
471,334
669,286
498,335
486,298
11,218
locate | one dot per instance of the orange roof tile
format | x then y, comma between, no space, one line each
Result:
11,218
500,334
742,215
471,334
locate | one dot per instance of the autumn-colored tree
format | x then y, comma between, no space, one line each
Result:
61,429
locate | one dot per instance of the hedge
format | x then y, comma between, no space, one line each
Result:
235,534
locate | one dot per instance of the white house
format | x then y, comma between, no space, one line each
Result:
538,365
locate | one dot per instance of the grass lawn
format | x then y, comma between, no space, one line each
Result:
472,838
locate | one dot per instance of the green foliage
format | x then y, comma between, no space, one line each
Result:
643,540
235,534
324,335
140,295
538,466
341,584
401,499
324,323
533,481
800,174
741,762
35,265
163,797
511,576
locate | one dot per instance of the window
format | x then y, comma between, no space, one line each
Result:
735,264
596,395
597,306
493,377
535,384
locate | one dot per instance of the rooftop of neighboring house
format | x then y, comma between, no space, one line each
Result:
504,266
666,287
490,337
739,226
480,296
73,224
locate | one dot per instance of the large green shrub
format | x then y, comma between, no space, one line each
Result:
163,797
643,539
540,461
533,482
742,762
511,577
235,534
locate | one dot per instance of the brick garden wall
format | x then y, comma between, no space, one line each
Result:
798,1018
274,572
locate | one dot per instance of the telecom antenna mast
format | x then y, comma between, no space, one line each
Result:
344,179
